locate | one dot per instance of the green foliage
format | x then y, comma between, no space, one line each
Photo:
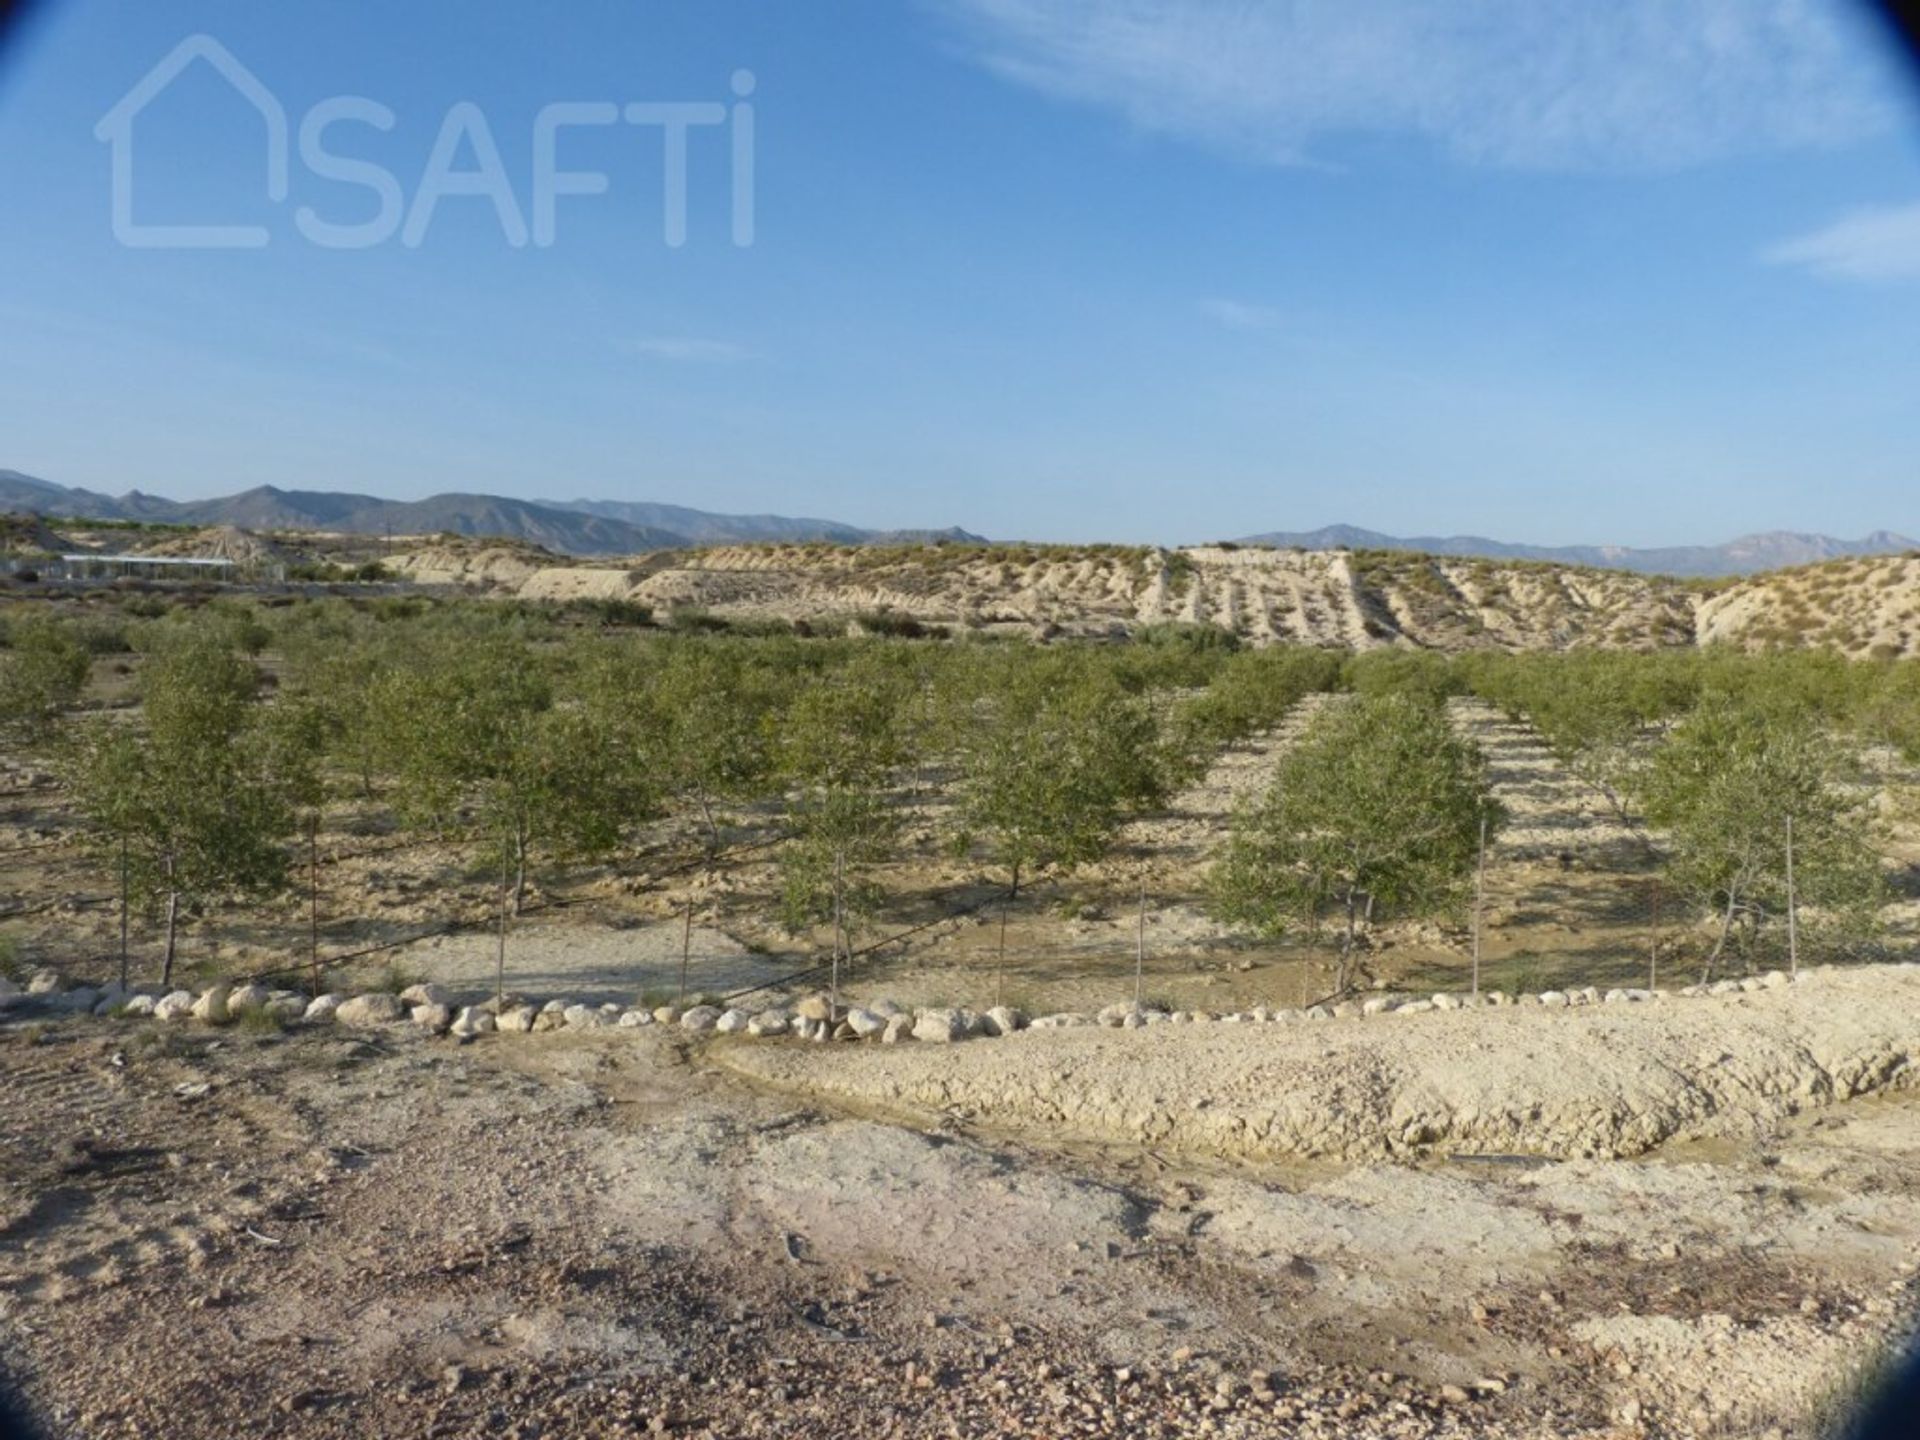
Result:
1424,675
485,744
1054,757
1723,787
198,795
41,675
1378,807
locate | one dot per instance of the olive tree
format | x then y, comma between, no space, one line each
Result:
1724,787
195,796
1054,758
1378,807
840,742
42,672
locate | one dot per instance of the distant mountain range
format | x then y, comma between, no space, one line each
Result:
622,527
579,527
1773,550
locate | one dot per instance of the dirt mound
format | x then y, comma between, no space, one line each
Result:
221,542
1608,1081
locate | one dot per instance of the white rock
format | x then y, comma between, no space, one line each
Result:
322,1008
139,1005
211,1007
1554,999
1614,997
815,1007
427,994
866,1023
433,1018
700,1017
768,1022
554,1007
584,1017
1114,1016
517,1021
1416,1007
287,1008
936,1026
46,982
732,1022
473,1022
177,1005
247,999
1380,1005
1776,979
363,1012
667,1015
1133,1020
1444,1001
1346,1010
899,1027
1319,1012
634,1019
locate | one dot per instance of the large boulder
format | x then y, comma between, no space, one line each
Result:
815,1007
176,1005
585,1017
247,999
472,1022
425,994
518,1020
1002,1020
732,1022
866,1023
699,1018
768,1022
322,1009
432,1018
211,1007
139,1005
940,1027
364,1012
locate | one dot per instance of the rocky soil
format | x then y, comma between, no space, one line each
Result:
335,1232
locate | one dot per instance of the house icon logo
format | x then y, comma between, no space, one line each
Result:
117,126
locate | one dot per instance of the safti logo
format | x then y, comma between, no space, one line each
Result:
464,128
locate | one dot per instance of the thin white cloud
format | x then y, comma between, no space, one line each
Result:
1873,244
687,349
1546,84
1239,315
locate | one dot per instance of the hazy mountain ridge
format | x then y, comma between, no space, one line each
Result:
1749,554
583,527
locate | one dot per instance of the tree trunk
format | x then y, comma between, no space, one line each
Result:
519,872
839,932
173,931
1343,977
500,951
124,888
1720,944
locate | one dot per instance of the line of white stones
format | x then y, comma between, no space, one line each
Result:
431,1008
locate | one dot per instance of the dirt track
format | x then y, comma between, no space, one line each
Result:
334,1235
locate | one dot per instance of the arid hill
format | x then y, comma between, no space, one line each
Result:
1358,599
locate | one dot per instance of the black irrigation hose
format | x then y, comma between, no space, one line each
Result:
15,914
867,949
453,927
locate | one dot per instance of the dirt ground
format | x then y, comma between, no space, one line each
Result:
328,1234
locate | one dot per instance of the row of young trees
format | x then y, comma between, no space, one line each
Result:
546,745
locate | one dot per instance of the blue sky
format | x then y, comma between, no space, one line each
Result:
1170,270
